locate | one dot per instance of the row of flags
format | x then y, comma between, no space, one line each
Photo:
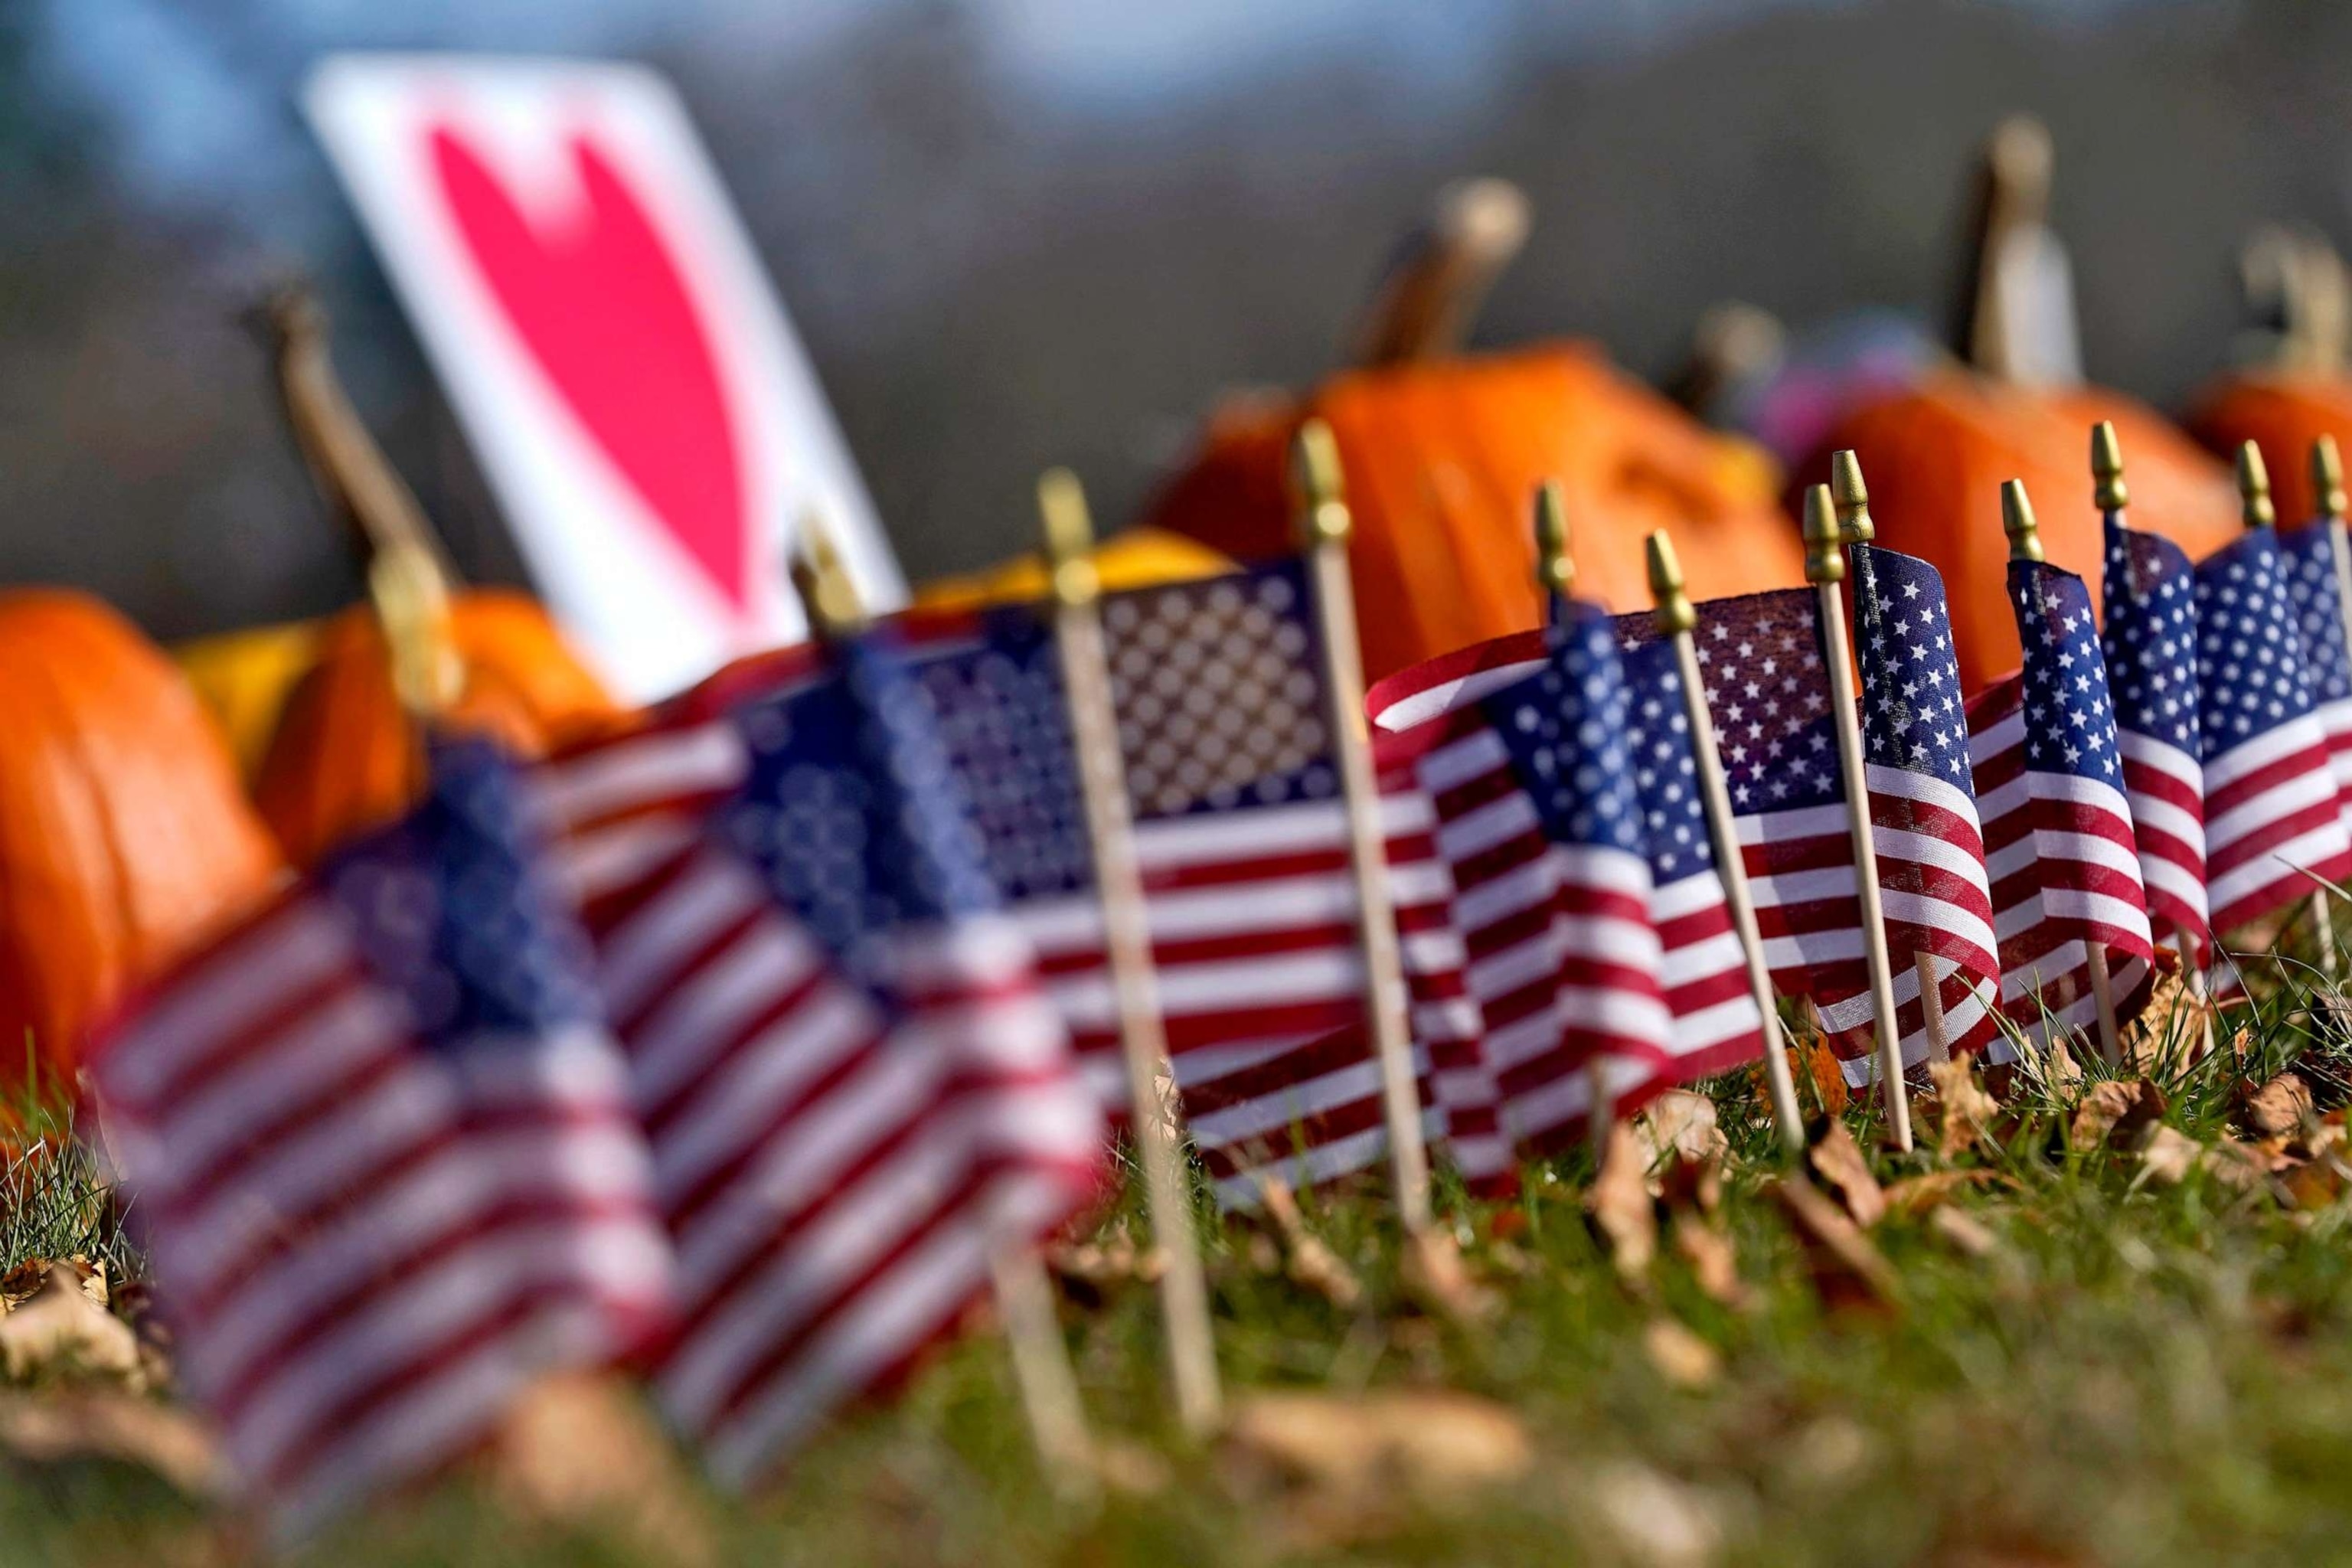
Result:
738,1047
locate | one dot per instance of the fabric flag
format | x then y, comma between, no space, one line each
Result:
1239,828
381,1147
853,1088
1703,970
2272,816
1539,820
2151,651
1313,1112
2049,771
2308,557
1931,860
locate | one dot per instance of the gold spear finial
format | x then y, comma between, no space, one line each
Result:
1555,570
822,582
1824,549
2107,493
1853,499
2254,488
1315,468
1675,613
2017,521
1069,539
2327,477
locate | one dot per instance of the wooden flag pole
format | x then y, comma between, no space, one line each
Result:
1825,569
2110,495
1024,1296
1555,581
1127,945
2017,521
2255,509
1677,618
1324,526
2327,484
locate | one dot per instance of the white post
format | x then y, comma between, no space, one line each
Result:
1676,617
1127,945
1324,524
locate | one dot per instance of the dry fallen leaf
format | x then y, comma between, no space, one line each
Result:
1914,1195
1620,1208
2311,1184
1963,1233
582,1450
1655,1521
1681,1357
1347,1468
1822,1069
1695,1185
1683,1124
103,1424
2278,1108
2172,1024
1839,1162
2169,1155
1714,1263
1310,1262
61,1328
1114,1260
1847,1271
2241,1167
2115,1111
1438,1280
1965,1109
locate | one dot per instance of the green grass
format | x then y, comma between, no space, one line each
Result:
2140,1374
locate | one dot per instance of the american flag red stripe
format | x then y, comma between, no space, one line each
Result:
2058,830
1252,907
439,1221
2272,818
853,1086
1703,969
1551,899
1313,1112
2149,645
2307,561
1930,848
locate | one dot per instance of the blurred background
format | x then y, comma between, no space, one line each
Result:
1019,232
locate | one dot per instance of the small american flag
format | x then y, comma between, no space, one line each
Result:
1239,828
2151,657
1704,971
1540,819
2057,826
2272,811
854,1087
382,1146
1313,1112
2307,556
1931,860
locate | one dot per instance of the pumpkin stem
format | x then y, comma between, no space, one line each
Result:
408,577
2295,286
350,470
2015,319
1423,305
823,582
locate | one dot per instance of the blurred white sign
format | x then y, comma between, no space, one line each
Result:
637,397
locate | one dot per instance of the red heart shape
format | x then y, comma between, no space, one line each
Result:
602,308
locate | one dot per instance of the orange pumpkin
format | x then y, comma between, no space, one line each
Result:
346,756
123,834
2282,412
1441,461
1935,456
1442,454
